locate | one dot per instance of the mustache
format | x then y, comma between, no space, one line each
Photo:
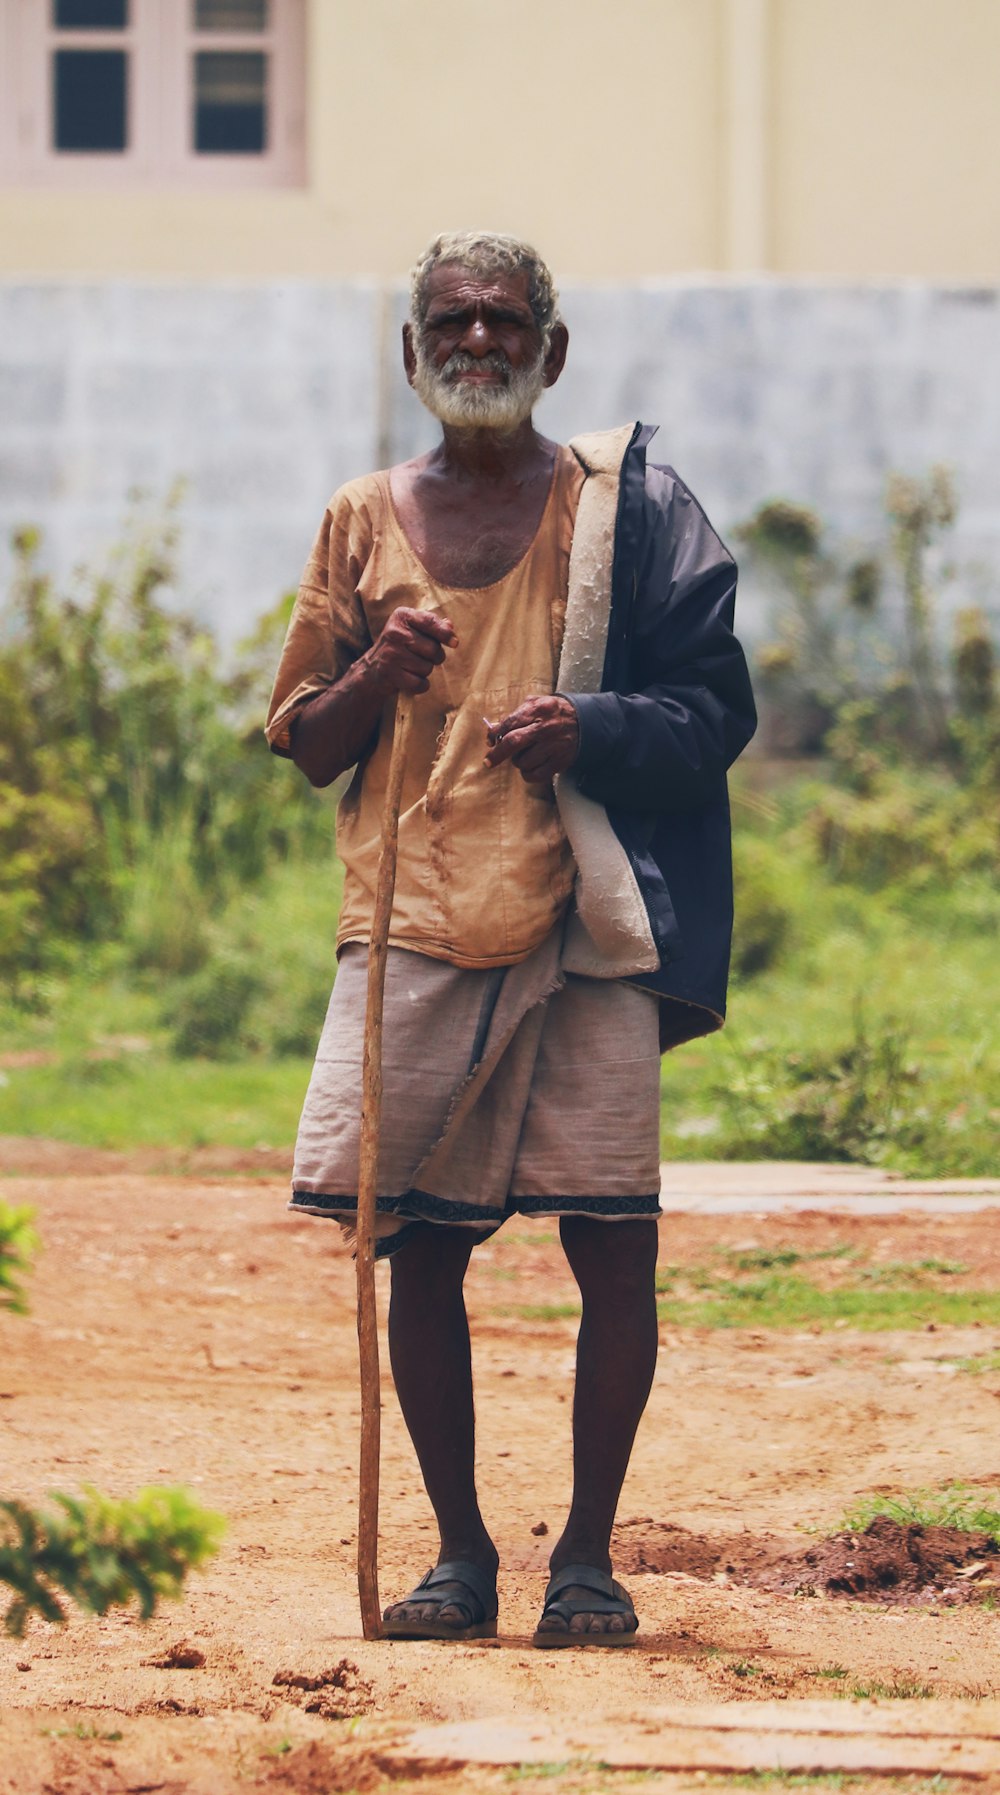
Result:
461,361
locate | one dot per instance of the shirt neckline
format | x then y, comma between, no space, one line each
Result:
450,585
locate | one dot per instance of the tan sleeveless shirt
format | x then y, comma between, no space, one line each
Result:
484,868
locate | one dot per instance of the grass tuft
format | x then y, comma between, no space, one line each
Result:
956,1506
900,1689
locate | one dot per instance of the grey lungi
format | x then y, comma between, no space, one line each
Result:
521,1089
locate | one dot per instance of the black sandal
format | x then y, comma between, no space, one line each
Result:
608,1598
479,1602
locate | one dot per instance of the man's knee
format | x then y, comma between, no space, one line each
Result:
616,1257
434,1257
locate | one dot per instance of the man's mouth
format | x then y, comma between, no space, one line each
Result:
479,373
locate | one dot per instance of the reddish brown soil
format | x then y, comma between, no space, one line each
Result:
189,1330
888,1561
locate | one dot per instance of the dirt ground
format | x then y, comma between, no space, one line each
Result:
187,1329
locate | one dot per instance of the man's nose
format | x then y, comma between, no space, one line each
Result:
478,339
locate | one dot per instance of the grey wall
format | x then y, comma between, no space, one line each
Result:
264,398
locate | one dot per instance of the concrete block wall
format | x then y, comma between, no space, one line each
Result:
263,397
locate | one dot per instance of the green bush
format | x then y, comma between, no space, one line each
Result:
136,789
843,1104
903,829
18,1245
763,917
864,636
102,1553
209,1012
265,988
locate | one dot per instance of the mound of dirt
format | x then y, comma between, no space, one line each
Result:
339,1693
893,1561
890,1561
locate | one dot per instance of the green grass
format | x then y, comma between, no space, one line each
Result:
917,969
539,1311
792,1779
979,1363
155,1100
786,1300
109,1077
920,965
83,1729
900,1689
956,1506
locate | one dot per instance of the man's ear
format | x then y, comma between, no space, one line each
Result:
409,353
555,355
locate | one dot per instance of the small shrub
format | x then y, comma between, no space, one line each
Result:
266,989
763,917
209,1010
901,830
101,1553
135,783
845,1104
18,1245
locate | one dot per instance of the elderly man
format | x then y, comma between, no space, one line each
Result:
563,619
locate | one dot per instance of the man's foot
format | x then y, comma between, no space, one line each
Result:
455,1600
584,1606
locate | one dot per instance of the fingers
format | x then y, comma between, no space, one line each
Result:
428,623
410,646
540,738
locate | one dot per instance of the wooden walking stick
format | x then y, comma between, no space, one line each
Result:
371,1117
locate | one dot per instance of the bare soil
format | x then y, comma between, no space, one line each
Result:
188,1329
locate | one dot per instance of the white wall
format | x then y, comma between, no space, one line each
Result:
263,398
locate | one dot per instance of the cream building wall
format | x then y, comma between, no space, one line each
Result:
646,138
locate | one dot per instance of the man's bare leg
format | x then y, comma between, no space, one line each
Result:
614,1264
432,1367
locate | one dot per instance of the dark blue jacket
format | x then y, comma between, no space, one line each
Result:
672,711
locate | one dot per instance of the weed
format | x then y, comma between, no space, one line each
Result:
517,1773
18,1244
540,1311
833,1672
744,1667
82,1729
794,1779
775,1259
955,1506
838,1103
983,1362
900,1689
908,1271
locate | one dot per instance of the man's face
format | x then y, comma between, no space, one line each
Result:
479,360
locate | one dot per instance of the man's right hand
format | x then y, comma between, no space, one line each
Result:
337,726
411,645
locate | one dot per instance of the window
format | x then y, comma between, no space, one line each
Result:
154,92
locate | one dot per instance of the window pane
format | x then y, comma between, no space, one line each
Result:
90,15
230,102
89,110
230,15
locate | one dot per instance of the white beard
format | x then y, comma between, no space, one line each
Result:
466,406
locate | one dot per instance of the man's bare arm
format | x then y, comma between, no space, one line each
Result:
335,728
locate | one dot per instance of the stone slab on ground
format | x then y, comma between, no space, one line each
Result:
957,1739
755,1187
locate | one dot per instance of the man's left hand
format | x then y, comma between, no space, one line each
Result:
542,738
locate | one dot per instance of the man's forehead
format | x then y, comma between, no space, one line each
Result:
452,282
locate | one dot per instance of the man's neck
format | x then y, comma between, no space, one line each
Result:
486,454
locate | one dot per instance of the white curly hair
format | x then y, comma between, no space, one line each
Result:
485,253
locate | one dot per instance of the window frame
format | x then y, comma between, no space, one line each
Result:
161,42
